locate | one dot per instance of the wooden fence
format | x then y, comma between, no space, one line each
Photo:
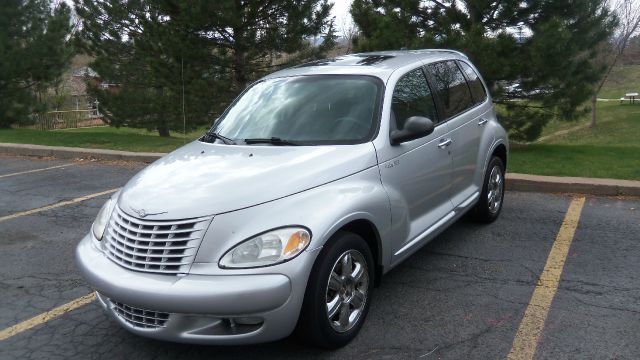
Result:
53,120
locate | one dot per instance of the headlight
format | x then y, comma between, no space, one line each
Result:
273,247
102,219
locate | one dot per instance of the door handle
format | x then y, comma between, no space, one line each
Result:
444,143
482,122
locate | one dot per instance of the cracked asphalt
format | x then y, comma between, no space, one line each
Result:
462,296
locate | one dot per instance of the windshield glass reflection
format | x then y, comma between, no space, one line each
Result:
305,109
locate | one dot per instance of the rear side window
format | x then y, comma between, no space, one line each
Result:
412,97
477,89
452,87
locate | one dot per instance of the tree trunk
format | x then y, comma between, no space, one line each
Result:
161,121
240,55
594,109
240,69
163,131
163,127
594,97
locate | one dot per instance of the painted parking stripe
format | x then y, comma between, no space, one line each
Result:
36,170
526,340
57,205
47,316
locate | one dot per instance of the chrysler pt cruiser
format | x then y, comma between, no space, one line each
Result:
313,183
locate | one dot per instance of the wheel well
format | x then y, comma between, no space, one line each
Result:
369,233
501,152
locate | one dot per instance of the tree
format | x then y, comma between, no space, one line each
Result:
631,55
34,52
627,13
159,52
349,32
550,66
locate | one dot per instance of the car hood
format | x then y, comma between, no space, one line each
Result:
202,179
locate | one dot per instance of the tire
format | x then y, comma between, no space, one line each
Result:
351,295
491,199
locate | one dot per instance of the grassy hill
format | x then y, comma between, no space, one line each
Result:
623,79
610,150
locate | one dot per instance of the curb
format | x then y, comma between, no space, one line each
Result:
577,185
515,182
64,152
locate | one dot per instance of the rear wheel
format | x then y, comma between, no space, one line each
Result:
338,294
490,204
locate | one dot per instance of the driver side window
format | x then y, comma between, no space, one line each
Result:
411,97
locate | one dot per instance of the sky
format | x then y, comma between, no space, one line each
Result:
341,12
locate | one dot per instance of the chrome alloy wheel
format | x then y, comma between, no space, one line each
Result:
347,288
495,189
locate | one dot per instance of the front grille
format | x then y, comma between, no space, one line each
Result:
140,318
162,246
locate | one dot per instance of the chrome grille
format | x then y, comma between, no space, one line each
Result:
140,318
162,246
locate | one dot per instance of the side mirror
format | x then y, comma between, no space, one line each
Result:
415,128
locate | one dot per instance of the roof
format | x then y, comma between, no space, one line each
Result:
380,64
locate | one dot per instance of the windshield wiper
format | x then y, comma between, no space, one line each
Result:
211,134
271,140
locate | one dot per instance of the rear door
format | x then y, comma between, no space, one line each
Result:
466,120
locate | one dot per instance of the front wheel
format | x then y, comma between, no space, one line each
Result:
338,294
490,204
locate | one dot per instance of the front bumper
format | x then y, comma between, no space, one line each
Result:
205,309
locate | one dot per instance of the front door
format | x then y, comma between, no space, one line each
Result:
417,175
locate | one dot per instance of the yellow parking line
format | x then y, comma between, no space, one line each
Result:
57,205
36,170
44,317
526,340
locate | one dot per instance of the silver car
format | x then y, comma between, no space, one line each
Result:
316,181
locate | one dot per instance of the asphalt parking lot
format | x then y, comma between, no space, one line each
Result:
476,292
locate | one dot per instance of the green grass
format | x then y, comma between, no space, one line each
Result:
598,161
610,150
100,138
558,125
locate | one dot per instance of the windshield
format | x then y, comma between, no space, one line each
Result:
322,109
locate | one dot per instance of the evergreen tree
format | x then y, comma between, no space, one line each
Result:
547,47
153,50
34,52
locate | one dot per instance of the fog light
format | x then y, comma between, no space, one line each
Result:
248,320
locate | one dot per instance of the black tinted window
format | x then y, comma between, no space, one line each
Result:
412,97
477,89
451,87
